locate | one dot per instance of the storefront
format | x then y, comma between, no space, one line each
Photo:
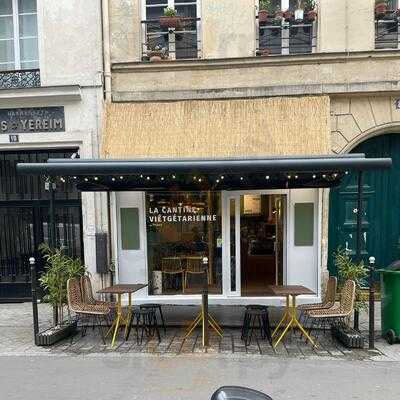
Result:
257,221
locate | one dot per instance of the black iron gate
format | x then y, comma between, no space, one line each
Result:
24,221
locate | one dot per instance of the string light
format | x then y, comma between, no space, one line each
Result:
199,179
113,179
173,176
267,177
217,180
86,179
335,175
96,178
222,177
296,177
62,179
241,178
346,172
148,178
74,177
324,176
289,176
121,177
162,178
141,175
314,176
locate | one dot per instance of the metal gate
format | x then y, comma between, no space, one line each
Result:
24,221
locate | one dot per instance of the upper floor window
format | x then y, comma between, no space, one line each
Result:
387,15
170,29
286,26
18,35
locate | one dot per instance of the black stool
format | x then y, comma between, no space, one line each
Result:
256,317
146,322
156,307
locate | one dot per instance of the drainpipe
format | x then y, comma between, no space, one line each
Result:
106,49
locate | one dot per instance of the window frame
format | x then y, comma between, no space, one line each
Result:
171,3
17,37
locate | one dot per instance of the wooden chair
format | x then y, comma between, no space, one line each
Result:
84,311
336,314
194,265
171,266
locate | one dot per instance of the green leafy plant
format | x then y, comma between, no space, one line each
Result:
59,268
170,12
308,5
347,269
265,5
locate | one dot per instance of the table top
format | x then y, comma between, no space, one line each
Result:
123,288
290,290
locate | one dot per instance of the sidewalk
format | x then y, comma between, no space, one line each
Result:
16,338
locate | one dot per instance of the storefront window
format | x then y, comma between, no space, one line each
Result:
183,228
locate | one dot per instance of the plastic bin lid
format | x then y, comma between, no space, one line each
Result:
238,393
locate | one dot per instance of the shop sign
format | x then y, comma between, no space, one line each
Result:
178,214
32,120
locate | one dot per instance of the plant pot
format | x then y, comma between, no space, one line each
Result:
170,22
288,16
55,334
311,16
263,16
155,58
263,53
380,10
279,15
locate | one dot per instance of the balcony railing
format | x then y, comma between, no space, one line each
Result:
387,30
278,37
167,43
27,78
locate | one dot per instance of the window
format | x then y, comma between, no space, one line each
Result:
176,42
387,27
286,33
18,35
184,228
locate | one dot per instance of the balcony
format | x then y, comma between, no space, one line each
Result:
161,42
387,29
28,78
283,35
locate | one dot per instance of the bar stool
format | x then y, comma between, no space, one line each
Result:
156,307
146,323
256,317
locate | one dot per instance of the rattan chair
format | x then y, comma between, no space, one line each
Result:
194,265
87,293
84,311
336,314
171,266
328,301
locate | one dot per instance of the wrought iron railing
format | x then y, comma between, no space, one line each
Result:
182,42
26,78
281,37
387,30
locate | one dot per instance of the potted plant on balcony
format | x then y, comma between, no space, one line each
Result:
59,268
170,19
264,11
310,10
156,53
381,8
288,16
299,12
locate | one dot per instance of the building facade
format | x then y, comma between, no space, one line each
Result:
51,103
224,81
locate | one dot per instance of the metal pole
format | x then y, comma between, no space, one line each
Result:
371,304
359,234
205,303
34,299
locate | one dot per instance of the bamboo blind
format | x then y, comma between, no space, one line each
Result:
218,128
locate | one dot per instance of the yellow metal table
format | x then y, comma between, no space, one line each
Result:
289,320
121,319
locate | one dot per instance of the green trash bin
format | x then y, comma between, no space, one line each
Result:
390,302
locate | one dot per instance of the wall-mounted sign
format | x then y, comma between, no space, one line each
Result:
13,138
178,214
252,204
32,120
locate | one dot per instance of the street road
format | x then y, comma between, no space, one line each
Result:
195,377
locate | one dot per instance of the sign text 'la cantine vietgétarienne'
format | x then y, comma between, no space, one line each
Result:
32,120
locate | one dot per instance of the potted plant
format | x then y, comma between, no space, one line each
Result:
310,10
264,11
348,269
288,16
59,268
157,53
381,8
170,19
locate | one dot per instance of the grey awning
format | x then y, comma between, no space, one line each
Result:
205,174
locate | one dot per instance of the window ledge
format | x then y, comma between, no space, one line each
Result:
44,93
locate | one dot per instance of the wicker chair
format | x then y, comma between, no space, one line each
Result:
87,293
194,265
84,311
328,301
336,314
171,266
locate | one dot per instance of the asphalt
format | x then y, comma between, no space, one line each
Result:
192,378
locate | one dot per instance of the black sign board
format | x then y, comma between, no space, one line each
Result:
32,120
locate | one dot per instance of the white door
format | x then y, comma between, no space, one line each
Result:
131,238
